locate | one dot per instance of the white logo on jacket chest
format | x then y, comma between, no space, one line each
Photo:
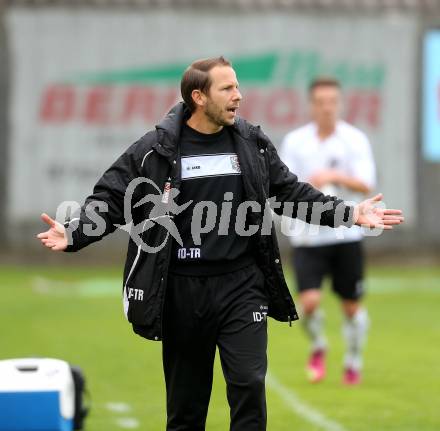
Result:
210,165
235,164
137,294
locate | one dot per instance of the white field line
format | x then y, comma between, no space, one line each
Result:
400,284
118,407
294,402
100,287
129,423
93,287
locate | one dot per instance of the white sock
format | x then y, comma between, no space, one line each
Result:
313,324
355,333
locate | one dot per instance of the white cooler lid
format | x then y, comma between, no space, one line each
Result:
42,375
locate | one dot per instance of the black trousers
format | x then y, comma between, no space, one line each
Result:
228,311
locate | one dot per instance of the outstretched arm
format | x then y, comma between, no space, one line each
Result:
105,206
285,186
316,208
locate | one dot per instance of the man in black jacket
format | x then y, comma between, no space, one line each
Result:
203,268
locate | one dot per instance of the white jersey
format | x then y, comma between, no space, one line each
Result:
347,150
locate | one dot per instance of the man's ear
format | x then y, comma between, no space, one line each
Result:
199,98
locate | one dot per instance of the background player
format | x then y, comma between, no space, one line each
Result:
336,158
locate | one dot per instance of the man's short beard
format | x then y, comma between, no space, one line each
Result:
214,115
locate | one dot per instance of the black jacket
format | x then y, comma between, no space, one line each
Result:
156,157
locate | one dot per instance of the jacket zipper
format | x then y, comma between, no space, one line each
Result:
164,278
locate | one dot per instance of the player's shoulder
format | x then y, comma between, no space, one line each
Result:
351,133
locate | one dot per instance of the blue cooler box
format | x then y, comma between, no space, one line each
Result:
36,395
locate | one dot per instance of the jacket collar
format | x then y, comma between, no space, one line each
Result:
169,129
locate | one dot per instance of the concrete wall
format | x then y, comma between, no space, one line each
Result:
376,57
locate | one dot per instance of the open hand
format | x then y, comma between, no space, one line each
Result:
368,215
55,238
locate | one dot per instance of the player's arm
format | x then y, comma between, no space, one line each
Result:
361,175
285,187
102,211
334,176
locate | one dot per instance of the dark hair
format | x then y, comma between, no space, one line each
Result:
196,77
323,81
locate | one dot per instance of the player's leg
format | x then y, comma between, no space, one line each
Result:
242,343
348,283
355,328
311,264
313,317
189,343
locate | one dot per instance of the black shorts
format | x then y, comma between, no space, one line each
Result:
343,262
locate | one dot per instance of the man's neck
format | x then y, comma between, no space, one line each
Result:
325,132
199,122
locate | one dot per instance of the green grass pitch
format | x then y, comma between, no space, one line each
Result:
76,314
